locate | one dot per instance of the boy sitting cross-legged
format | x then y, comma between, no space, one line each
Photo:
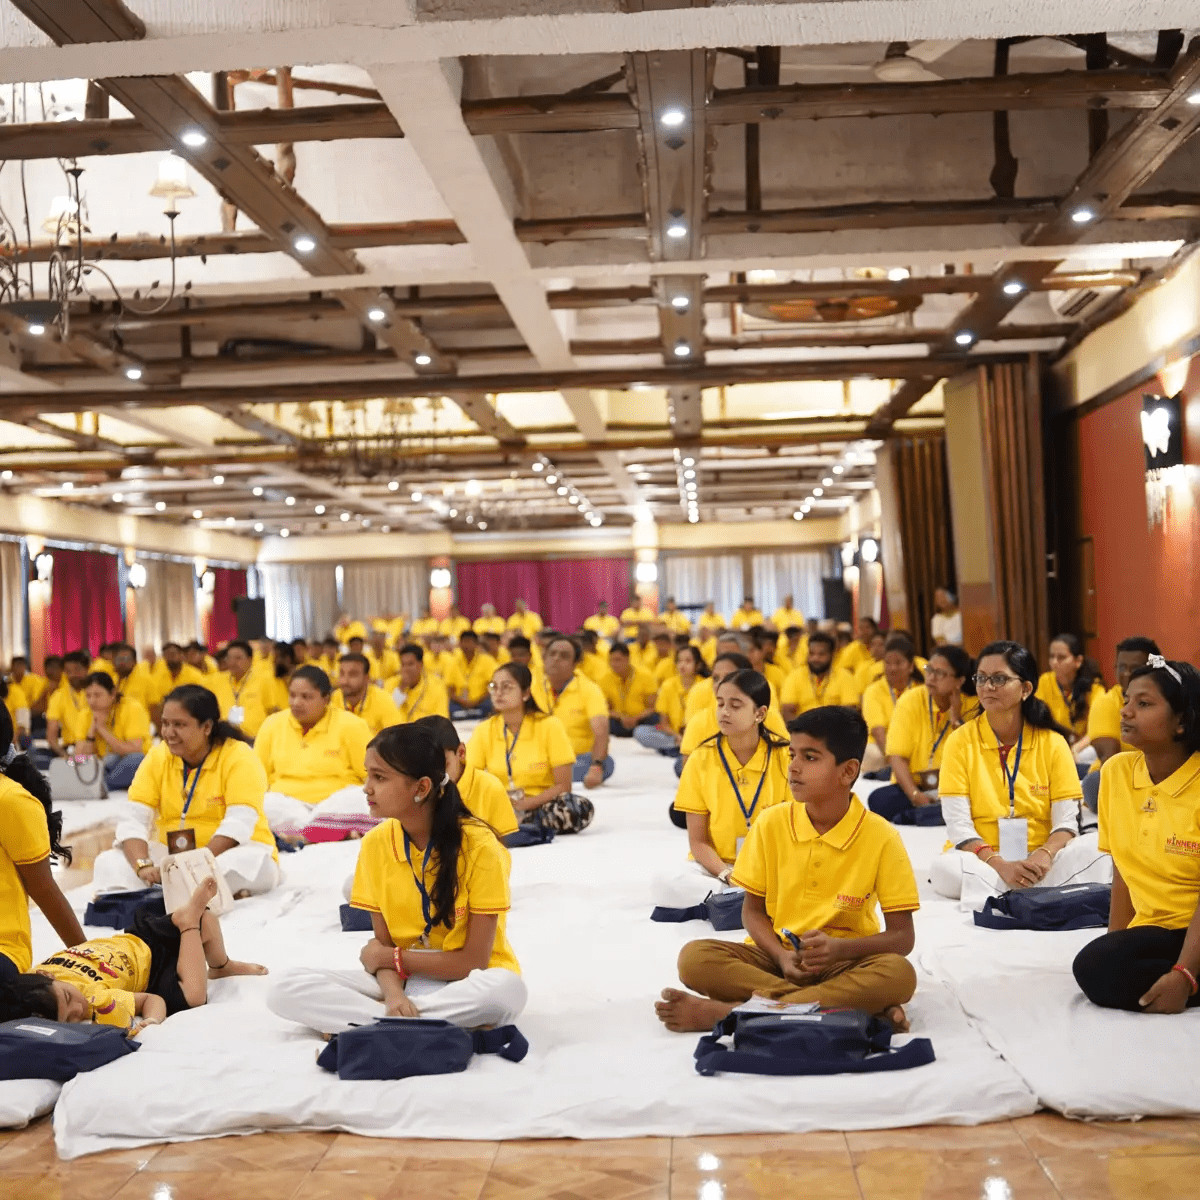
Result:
815,867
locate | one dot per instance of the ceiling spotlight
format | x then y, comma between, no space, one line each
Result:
562,491
194,138
818,491
470,518
551,479
319,510
68,486
896,274
422,360
289,501
838,468
35,329
197,514
230,520
682,350
218,480
1194,99
689,474
693,518
482,524
160,506
117,496
133,372
965,338
376,314
689,462
828,481
572,499
257,491
672,118
798,515
1013,288
394,486
594,521
303,244
539,466
677,229
366,522
416,497
258,527
680,302
1081,216
454,512
345,516
386,528
285,533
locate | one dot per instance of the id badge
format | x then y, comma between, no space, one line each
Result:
181,840
237,714
740,843
1014,838
929,781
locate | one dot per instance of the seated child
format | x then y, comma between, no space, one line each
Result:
133,979
814,867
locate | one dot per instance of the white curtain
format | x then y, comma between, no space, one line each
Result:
301,599
166,606
797,575
374,589
12,604
695,580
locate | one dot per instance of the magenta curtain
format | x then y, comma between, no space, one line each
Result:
230,584
85,602
564,591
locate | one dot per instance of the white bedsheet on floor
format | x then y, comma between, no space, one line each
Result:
21,1100
600,1064
79,815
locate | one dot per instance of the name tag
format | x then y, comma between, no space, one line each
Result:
740,843
237,714
181,840
1014,838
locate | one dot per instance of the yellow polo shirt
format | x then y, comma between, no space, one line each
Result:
162,682
916,725
830,881
33,686
672,700
428,699
1104,719
851,657
595,666
14,700
70,709
454,627
139,685
676,622
485,797
423,627
351,629
971,768
788,662
575,706
879,703
604,627
231,776
664,669
474,677
632,617
803,690
784,618
129,720
540,746
312,766
102,664
632,696
1050,693
440,664
1152,830
385,882
246,694
703,726
484,625
865,674
644,658
376,708
705,788
109,972
742,619
383,666
711,620
527,623
24,840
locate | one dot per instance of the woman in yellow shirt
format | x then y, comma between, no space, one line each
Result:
29,844
530,753
202,778
1068,689
435,881
671,702
1010,793
878,698
119,732
1149,961
728,782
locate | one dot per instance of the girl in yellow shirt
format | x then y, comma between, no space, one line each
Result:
1068,689
728,782
671,703
898,672
435,881
1149,961
530,753
119,734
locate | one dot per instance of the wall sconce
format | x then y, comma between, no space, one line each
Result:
869,550
137,575
45,567
848,555
439,577
646,572
208,581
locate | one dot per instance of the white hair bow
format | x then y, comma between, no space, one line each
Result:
1160,664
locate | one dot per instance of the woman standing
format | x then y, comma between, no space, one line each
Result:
946,624
120,730
1068,689
671,703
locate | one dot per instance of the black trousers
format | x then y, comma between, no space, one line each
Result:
616,729
1118,969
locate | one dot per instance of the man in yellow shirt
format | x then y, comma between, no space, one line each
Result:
711,620
630,694
813,872
816,683
664,654
416,691
786,615
472,672
454,625
488,621
170,672
643,653
103,660
761,653
345,629
424,627
195,655
594,663
563,691
239,689
792,650
870,669
68,714
859,650
328,659
356,693
636,615
383,663
523,621
32,685
674,620
133,678
603,623
746,617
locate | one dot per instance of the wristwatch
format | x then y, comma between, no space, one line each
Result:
142,864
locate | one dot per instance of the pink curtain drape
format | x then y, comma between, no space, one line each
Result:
230,584
85,602
564,591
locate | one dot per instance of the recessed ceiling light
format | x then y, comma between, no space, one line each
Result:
303,244
386,528
319,510
454,512
965,338
1194,99
693,518
197,513
896,274
366,522
1013,288
539,466
218,480
68,486
551,479
677,229
562,491
257,491
416,497
482,524
818,491
160,506
394,486
689,462
258,527
828,481
230,520
422,360
679,302
1081,216
682,350
345,516
672,118
838,468
193,137
572,499
133,372
36,329
798,515
376,314
117,496
289,501
689,474
285,533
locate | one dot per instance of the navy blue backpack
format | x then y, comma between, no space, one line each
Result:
1073,906
722,909
116,909
399,1047
355,920
34,1048
826,1042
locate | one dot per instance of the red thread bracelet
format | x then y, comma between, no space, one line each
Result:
1188,976
980,849
398,963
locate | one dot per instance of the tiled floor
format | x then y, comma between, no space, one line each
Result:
1042,1157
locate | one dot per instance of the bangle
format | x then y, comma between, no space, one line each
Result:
1046,853
398,963
190,929
980,849
994,854
1188,976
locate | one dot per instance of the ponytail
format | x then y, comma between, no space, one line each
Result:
18,767
1085,677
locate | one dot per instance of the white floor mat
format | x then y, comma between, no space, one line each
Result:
600,1064
79,815
21,1100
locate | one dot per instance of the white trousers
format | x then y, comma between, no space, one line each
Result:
287,814
962,876
247,867
332,1001
685,886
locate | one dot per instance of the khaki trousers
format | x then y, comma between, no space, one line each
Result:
735,971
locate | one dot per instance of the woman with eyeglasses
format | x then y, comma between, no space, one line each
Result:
530,753
1010,793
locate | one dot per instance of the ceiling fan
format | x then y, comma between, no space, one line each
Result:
908,62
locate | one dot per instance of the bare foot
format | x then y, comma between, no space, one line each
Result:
682,1012
233,967
188,916
896,1018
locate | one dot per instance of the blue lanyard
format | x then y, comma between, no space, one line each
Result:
748,813
508,750
419,880
933,728
188,794
1011,780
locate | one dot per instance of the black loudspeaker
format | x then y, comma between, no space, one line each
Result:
837,600
251,618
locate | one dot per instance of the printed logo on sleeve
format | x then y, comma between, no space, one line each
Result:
1186,847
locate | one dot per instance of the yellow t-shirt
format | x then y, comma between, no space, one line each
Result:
711,620
673,700
428,699
231,776
246,694
376,708
383,666
1153,833
703,725
474,677
705,788
350,629
676,622
1050,693
1046,774
664,669
15,700
162,682
631,696
1104,719
540,746
423,627
484,625
831,881
33,686
643,658
632,617
575,706
879,703
595,666
605,627
852,656
918,729
742,619
24,840
806,692
70,709
385,881
867,673
139,685
485,797
102,664
108,971
129,720
527,623
312,766
454,627
785,618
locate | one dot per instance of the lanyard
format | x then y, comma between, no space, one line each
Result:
237,691
508,750
937,741
189,793
419,880
819,690
1011,780
412,708
555,698
748,813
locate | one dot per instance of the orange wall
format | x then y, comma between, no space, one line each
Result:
1147,580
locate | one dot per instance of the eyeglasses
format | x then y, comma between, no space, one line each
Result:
937,673
995,681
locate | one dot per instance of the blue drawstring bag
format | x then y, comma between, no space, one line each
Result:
34,1048
116,909
825,1042
528,833
925,814
723,910
1073,906
355,920
400,1047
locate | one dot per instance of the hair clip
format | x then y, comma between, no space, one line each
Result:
1160,664
9,755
